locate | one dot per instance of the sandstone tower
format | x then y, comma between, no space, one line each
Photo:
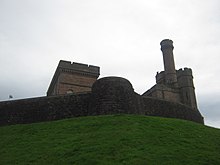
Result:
72,78
169,65
171,84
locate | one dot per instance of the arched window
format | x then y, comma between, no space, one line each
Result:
70,91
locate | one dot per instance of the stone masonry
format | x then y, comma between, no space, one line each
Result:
75,91
72,78
171,84
109,95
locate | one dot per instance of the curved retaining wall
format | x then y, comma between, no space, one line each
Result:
156,107
111,95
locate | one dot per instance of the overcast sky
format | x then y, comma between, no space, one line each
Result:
121,36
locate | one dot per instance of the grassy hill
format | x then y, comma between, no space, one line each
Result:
117,139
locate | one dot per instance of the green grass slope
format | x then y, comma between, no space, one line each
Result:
117,139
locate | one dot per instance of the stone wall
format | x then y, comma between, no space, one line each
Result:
111,95
75,83
43,109
72,78
161,91
156,107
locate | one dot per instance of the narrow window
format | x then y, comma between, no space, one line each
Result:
187,97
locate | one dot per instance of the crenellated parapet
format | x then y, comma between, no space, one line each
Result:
185,78
184,72
84,69
160,78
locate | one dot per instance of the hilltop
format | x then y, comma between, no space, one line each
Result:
113,139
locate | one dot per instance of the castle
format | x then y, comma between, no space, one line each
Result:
75,90
171,84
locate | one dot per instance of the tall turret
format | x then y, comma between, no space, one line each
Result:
171,84
169,65
186,86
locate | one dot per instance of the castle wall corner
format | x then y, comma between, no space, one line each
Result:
73,78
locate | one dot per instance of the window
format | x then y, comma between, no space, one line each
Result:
70,91
187,97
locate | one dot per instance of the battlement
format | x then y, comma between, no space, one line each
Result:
78,67
160,77
184,72
181,72
72,77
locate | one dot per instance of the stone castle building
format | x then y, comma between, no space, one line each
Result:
72,78
75,91
171,84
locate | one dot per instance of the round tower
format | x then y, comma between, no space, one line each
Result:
113,95
169,65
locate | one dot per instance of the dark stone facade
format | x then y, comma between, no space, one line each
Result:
110,95
113,95
43,109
